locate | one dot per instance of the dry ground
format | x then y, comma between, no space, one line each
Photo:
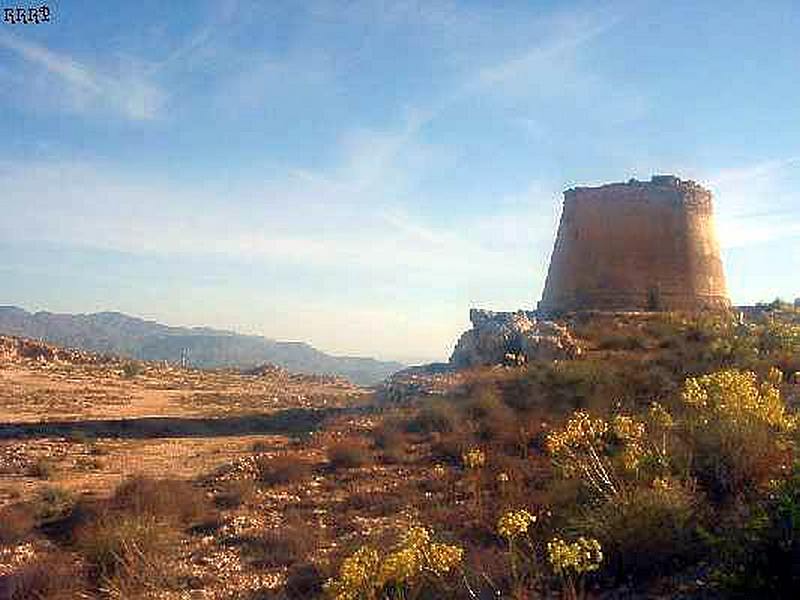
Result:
82,429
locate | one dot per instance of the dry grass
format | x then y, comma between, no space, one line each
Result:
167,499
281,469
234,493
349,454
16,522
53,576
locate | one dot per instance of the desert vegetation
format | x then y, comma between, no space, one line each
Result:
662,462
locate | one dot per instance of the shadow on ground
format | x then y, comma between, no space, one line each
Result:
293,421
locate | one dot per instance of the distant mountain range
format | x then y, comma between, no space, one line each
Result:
123,335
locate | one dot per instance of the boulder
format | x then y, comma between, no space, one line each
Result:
511,338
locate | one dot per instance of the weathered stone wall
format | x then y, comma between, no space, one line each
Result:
636,246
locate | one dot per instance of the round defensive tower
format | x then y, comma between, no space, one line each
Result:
641,245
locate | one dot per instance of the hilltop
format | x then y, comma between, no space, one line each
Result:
123,335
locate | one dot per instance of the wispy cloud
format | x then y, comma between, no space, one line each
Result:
90,205
129,93
753,172
757,203
373,154
519,69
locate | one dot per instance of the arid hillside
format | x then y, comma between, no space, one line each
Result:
662,454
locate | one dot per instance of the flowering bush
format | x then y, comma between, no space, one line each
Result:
514,526
579,557
630,435
596,451
577,450
357,576
571,561
474,458
738,430
736,398
777,337
414,561
514,523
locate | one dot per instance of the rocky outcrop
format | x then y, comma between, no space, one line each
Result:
14,349
511,338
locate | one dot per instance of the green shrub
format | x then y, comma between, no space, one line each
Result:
390,440
88,463
132,369
762,558
490,417
646,531
449,448
621,341
439,416
261,446
570,385
303,581
278,547
53,503
377,502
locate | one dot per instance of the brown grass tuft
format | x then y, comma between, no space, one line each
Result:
281,469
349,454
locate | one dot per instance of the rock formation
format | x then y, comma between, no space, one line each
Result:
15,349
511,338
636,246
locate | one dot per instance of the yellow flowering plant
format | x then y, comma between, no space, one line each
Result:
604,453
736,397
357,576
474,460
514,527
515,523
739,430
572,560
414,561
579,450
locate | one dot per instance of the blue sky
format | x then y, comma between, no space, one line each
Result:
359,174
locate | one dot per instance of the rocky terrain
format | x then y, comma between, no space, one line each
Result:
141,480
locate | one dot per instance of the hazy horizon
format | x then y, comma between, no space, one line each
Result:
358,176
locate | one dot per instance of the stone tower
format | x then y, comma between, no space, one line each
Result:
636,246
